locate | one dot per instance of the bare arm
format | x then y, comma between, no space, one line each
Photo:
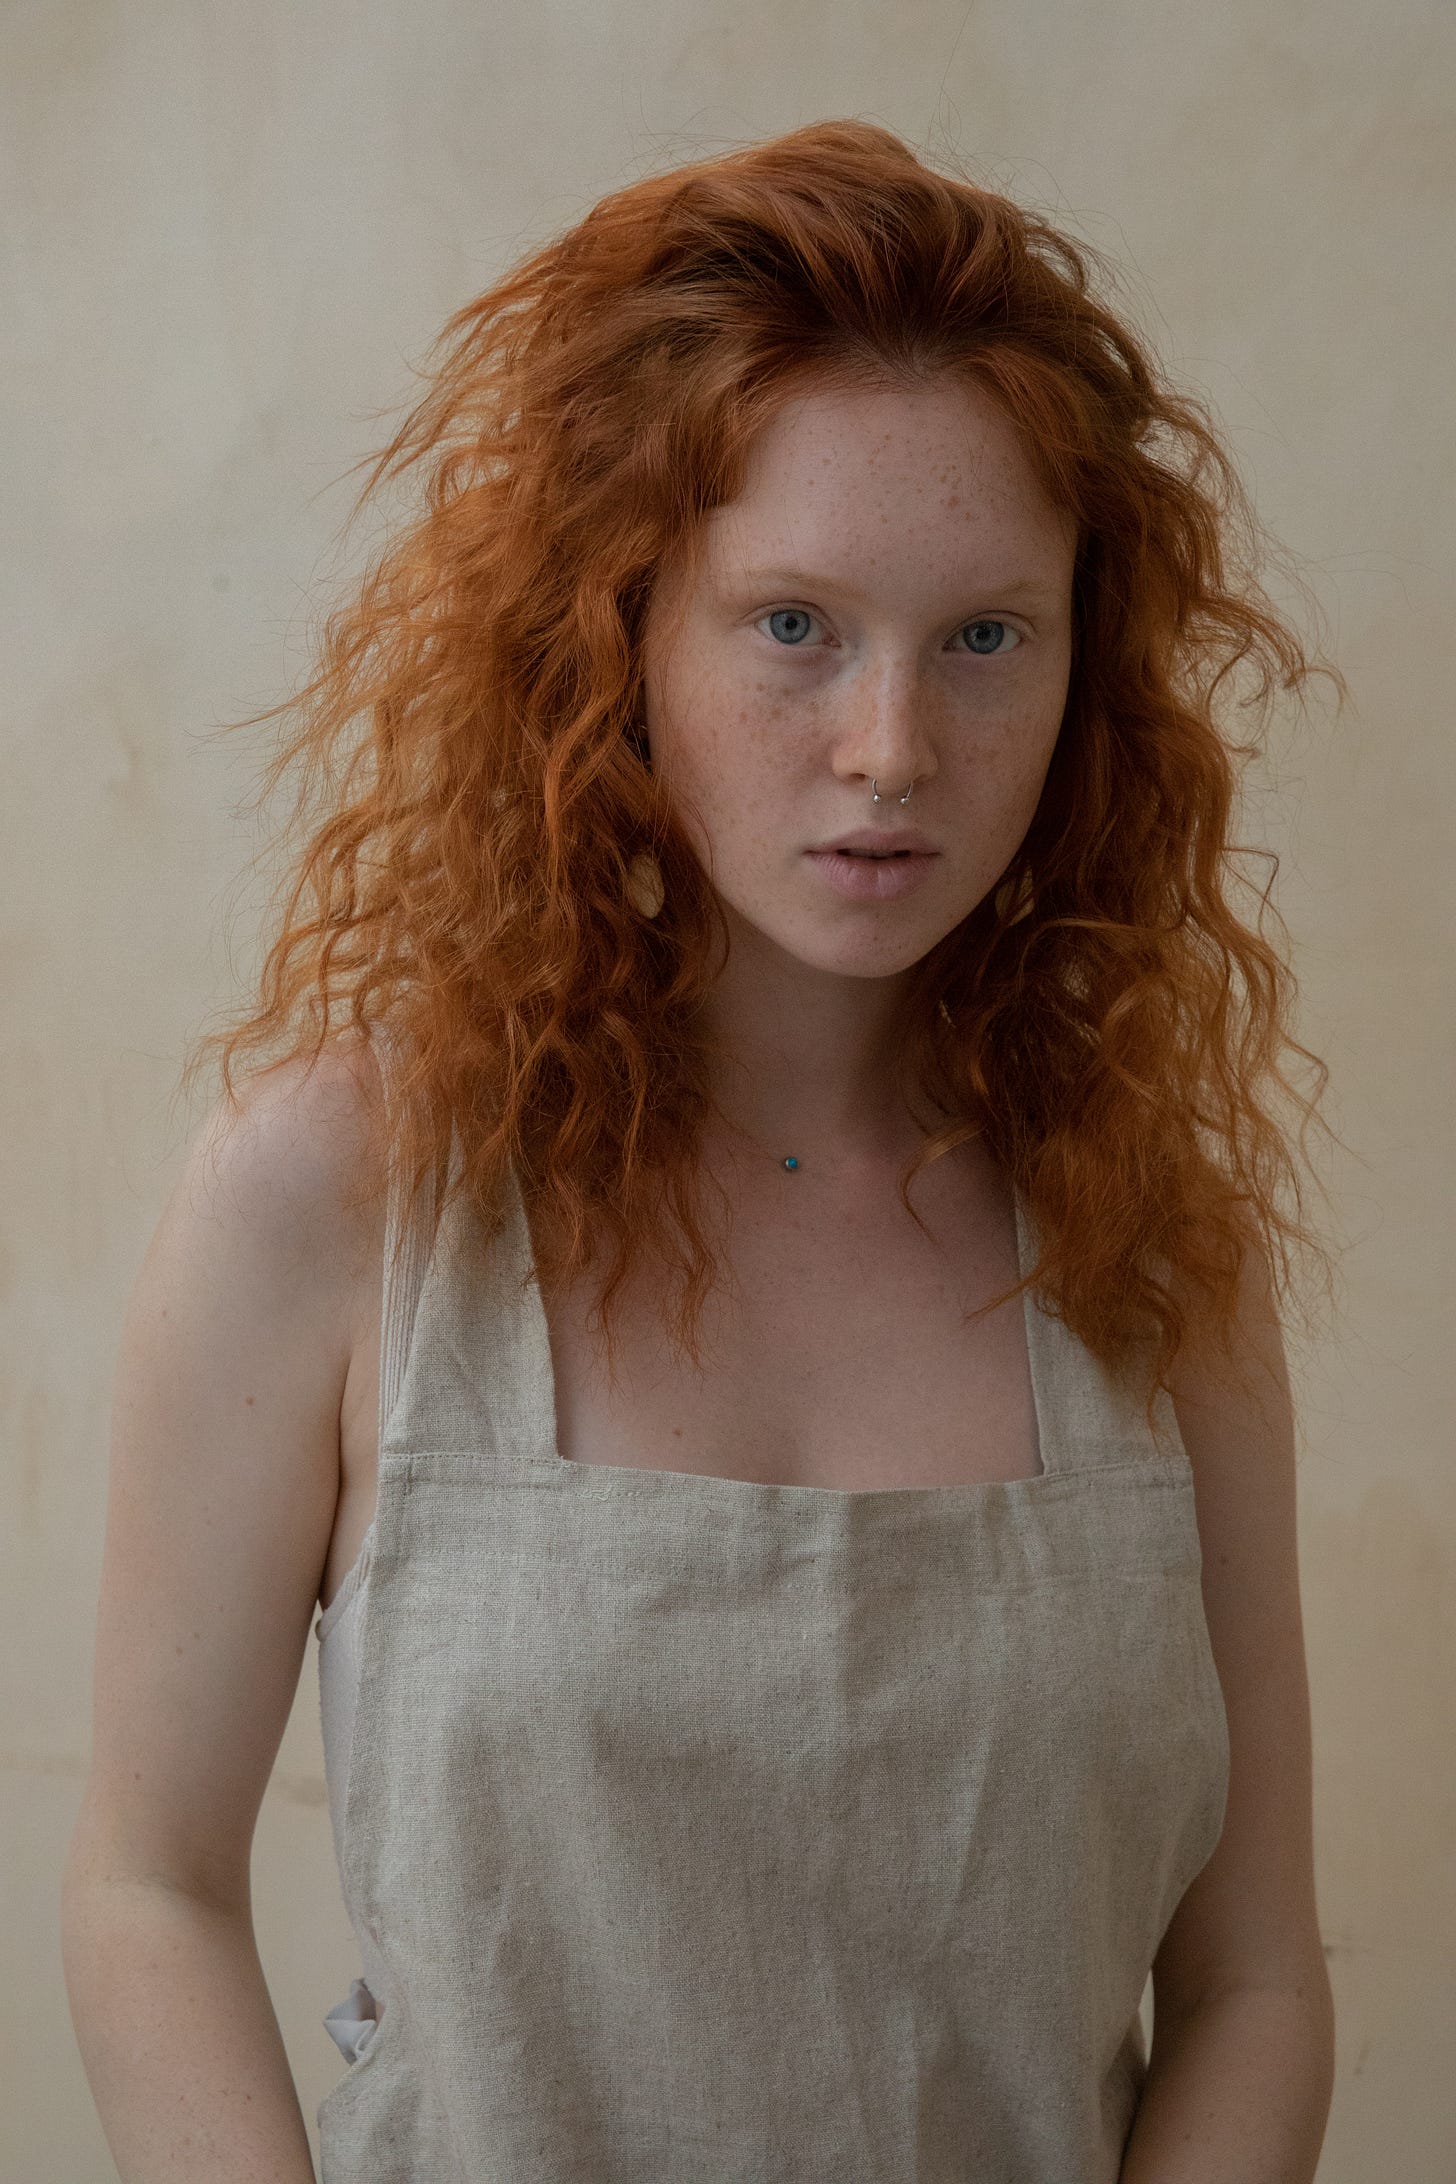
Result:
223,1484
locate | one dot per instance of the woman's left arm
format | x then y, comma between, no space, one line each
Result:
1241,2067
1238,2090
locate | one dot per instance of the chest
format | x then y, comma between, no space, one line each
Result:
836,1350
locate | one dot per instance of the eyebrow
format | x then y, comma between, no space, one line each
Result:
1021,587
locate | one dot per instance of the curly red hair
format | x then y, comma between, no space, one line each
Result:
472,795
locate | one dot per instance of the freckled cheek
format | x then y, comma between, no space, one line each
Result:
762,716
725,765
993,779
740,739
1017,729
767,772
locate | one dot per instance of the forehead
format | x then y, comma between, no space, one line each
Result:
844,475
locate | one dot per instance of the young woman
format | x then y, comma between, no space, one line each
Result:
744,1294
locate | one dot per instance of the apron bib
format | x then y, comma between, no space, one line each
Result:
701,1831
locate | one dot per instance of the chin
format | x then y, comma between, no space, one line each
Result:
845,954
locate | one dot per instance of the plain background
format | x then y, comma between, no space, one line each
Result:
229,236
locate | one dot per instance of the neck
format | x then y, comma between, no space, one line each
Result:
807,1063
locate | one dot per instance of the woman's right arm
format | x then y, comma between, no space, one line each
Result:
224,1474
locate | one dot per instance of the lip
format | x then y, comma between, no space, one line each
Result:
885,839
872,879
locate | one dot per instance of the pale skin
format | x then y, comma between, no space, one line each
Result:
244,1429
889,600
897,536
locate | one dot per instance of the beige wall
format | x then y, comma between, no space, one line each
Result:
229,232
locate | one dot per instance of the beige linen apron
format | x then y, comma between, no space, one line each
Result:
701,1831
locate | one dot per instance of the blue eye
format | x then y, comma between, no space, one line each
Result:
791,614
989,651
800,622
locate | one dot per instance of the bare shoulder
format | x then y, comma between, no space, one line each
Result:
291,1152
224,1473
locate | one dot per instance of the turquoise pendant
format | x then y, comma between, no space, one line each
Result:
791,1162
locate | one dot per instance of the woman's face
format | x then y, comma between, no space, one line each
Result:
890,597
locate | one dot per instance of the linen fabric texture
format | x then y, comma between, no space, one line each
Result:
702,1831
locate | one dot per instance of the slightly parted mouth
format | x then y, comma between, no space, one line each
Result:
869,843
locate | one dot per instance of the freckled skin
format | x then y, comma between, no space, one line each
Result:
899,520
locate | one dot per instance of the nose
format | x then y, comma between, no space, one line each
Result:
884,736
